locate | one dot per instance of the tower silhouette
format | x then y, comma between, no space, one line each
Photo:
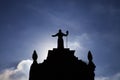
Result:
62,64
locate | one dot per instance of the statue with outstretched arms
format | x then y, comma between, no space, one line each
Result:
60,38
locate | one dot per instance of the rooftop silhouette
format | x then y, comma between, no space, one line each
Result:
62,64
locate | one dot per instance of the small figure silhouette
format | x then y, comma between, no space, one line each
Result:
60,38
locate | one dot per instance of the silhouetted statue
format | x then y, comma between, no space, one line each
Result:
60,35
62,64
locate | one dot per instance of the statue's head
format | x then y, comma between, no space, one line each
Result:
60,30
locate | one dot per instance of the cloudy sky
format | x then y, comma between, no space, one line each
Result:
27,25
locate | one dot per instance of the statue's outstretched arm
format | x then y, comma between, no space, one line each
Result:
66,33
54,35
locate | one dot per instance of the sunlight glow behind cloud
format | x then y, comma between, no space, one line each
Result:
43,47
20,73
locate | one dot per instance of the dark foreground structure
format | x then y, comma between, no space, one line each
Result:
61,64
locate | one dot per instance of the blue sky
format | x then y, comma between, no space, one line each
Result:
26,25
